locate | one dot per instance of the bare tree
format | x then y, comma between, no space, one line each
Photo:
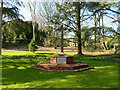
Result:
31,6
45,10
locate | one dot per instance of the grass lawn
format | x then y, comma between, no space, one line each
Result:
17,72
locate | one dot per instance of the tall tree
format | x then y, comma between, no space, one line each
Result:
72,15
1,6
44,12
31,6
62,44
78,33
118,30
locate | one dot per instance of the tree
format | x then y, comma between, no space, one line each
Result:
10,9
78,33
118,19
9,12
16,30
72,15
45,12
1,6
52,38
31,6
32,46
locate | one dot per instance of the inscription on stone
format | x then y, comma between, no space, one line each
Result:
61,60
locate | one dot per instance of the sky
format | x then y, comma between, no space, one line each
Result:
25,13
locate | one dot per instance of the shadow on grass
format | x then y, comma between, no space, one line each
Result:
24,57
96,58
21,74
45,53
104,55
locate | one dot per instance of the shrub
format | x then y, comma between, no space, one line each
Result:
32,46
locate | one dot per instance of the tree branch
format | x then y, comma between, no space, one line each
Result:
112,10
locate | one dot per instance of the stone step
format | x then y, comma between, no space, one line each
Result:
48,65
75,70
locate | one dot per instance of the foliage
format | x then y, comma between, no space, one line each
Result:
10,10
101,37
53,38
40,37
17,30
32,46
10,13
24,57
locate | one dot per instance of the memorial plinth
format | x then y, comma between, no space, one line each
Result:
62,62
56,59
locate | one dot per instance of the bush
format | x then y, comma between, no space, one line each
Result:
32,46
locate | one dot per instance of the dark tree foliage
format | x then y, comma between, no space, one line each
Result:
17,30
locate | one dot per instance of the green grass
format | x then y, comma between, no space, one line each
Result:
17,72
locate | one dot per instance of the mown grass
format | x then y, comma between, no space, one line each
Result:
17,72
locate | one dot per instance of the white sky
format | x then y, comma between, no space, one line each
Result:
25,13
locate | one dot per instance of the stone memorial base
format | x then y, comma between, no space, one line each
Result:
62,63
75,67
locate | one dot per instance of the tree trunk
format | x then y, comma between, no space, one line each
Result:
35,29
95,23
79,29
1,6
103,32
55,44
119,26
62,45
34,26
79,44
105,47
117,51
